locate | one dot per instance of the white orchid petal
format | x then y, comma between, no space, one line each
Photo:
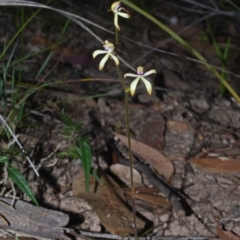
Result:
116,21
103,61
150,72
133,85
114,5
115,59
124,15
124,9
148,85
130,75
97,52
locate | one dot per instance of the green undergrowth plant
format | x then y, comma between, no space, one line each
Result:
222,55
80,21
13,112
10,156
13,96
80,149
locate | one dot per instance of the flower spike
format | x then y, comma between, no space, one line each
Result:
116,9
109,51
140,76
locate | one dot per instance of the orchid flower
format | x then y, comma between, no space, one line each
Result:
109,51
140,76
115,8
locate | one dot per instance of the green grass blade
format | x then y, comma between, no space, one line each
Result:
65,119
13,94
235,5
43,66
22,183
65,27
10,57
51,53
226,51
18,32
36,53
20,113
85,154
3,95
4,77
215,44
186,45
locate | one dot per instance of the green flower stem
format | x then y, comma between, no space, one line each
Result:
116,40
127,120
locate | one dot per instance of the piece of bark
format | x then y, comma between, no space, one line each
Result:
36,221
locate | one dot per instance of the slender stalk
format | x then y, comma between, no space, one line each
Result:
116,40
127,121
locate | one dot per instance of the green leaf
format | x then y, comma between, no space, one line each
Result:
71,153
66,119
22,183
4,159
85,154
69,122
20,113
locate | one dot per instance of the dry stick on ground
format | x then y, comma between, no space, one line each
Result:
116,237
15,140
177,200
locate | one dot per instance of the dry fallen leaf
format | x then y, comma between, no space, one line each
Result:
155,200
149,198
153,157
3,221
225,235
217,165
174,126
113,214
123,172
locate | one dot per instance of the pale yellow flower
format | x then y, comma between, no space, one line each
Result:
140,76
109,51
115,8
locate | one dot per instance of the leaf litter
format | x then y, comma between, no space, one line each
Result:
187,114
153,157
113,214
